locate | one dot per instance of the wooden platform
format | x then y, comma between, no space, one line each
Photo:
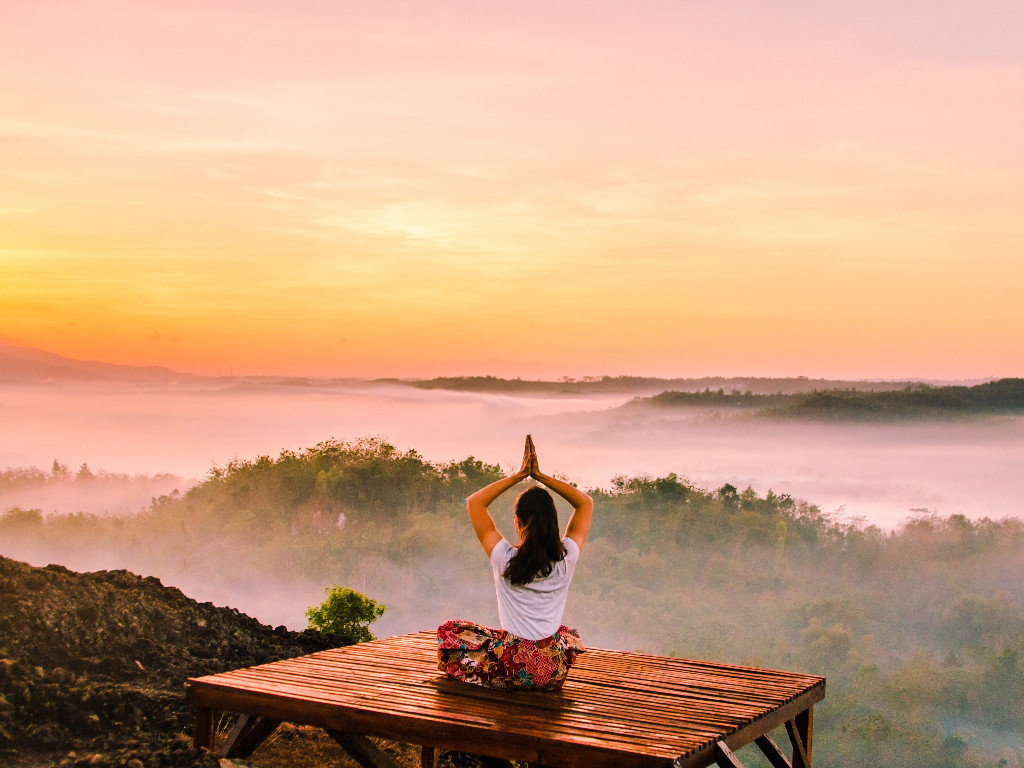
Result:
616,709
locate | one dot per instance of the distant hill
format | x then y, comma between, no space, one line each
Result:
28,365
915,401
647,385
95,663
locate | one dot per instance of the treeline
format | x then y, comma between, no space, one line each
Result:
22,478
568,385
920,630
914,401
82,489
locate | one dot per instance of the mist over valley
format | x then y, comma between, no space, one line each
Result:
721,532
157,422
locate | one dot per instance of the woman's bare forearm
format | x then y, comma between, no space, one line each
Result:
570,493
486,495
582,504
477,503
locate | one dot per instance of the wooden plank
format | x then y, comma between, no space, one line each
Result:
418,653
499,706
248,733
362,750
203,729
800,757
724,756
600,725
616,709
771,750
629,700
671,683
723,699
769,722
393,735
804,723
631,714
598,732
579,687
440,733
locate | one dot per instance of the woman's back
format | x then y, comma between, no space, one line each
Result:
533,610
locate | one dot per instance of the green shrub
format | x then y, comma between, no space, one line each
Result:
345,614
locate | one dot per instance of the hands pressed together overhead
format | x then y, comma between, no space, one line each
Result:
483,523
531,465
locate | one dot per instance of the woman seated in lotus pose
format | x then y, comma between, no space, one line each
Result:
533,649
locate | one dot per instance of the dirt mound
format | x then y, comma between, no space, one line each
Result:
92,665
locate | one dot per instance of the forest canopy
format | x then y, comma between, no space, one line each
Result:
913,401
920,630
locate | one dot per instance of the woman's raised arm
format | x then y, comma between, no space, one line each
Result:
476,505
582,504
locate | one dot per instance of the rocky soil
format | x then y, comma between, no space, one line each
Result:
92,665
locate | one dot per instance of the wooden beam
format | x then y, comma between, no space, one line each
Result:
724,756
426,757
489,741
771,750
362,750
805,726
202,729
242,725
762,725
249,732
797,735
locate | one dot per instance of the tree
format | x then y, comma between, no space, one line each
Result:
729,496
345,614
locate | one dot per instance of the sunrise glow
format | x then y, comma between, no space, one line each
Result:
414,189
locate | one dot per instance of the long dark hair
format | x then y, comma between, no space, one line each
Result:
541,547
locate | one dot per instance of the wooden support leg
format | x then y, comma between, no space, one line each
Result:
801,731
362,750
805,725
772,752
249,732
427,757
725,758
202,731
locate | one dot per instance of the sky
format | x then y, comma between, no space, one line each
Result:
398,188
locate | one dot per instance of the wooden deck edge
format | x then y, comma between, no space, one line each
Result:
485,734
412,730
746,734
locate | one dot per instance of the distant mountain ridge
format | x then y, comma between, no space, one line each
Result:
914,401
758,385
29,365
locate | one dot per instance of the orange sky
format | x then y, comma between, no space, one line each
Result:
405,188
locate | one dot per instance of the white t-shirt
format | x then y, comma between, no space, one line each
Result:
533,611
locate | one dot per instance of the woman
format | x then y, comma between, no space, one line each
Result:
533,649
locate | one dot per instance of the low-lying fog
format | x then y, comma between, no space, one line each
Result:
878,472
720,594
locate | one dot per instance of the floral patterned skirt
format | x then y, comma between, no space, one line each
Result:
498,659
